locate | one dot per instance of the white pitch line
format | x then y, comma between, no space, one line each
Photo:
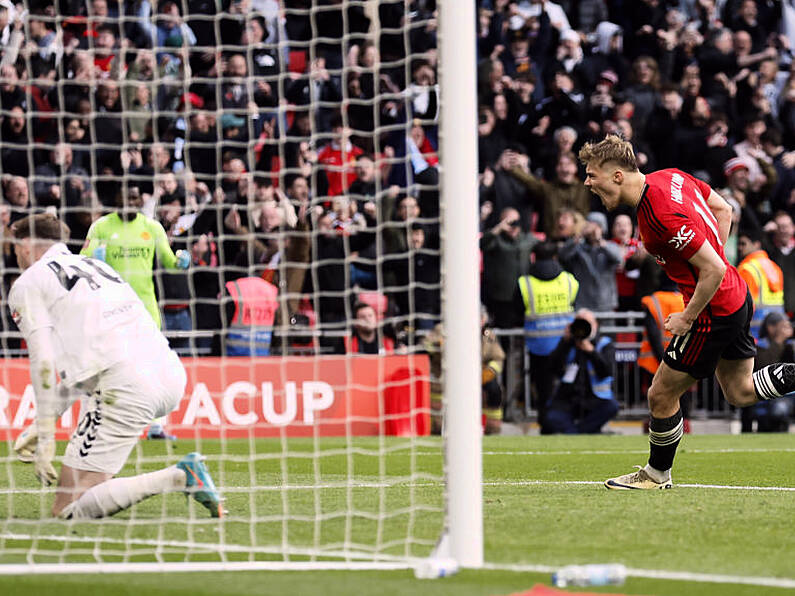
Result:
396,564
186,566
381,485
198,546
714,578
592,482
626,451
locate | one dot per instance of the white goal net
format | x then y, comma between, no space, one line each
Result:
295,150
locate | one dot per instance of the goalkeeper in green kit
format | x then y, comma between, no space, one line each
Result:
128,241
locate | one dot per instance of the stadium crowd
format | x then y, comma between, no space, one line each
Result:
296,142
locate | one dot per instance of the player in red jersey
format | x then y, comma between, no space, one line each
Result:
684,223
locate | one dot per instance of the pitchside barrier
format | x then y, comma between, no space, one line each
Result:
366,395
626,329
294,396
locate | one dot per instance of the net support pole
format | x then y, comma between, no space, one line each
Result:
461,304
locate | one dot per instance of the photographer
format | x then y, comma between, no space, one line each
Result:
584,401
593,261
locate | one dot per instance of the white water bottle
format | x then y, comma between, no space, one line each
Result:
435,567
590,575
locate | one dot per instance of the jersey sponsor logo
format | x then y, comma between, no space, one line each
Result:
131,252
676,188
145,235
682,238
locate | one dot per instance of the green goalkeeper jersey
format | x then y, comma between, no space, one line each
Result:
130,249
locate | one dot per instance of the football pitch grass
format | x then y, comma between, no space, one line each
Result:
731,514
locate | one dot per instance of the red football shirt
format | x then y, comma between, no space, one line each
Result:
339,166
674,221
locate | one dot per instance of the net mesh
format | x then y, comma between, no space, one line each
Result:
291,148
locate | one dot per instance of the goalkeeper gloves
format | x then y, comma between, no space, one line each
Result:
25,445
100,253
45,451
183,259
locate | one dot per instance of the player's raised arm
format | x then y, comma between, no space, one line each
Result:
723,213
711,270
167,257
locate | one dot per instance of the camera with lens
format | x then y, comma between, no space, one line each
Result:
580,329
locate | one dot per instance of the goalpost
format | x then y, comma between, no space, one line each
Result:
324,458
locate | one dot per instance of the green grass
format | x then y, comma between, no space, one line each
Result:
539,509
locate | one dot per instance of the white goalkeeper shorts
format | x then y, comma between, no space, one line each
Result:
119,404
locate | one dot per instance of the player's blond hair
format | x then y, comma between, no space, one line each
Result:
42,226
611,149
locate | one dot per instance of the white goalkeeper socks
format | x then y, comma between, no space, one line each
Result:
120,493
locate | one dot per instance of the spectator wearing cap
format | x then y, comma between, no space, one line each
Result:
602,103
517,59
753,197
593,261
764,278
607,54
774,345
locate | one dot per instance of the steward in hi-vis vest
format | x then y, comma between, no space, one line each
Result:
251,327
764,278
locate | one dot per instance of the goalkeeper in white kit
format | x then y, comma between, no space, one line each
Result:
84,323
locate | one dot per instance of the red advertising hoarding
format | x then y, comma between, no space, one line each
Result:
296,396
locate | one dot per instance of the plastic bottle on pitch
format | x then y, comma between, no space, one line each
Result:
590,575
435,567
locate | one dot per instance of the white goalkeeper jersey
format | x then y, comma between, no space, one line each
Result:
96,318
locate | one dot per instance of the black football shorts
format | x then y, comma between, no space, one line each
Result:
711,338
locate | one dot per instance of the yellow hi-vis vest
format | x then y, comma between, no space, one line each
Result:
548,308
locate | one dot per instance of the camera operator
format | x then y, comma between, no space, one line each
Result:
582,360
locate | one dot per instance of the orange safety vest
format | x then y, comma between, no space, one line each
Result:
251,328
660,304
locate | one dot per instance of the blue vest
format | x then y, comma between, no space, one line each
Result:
602,387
